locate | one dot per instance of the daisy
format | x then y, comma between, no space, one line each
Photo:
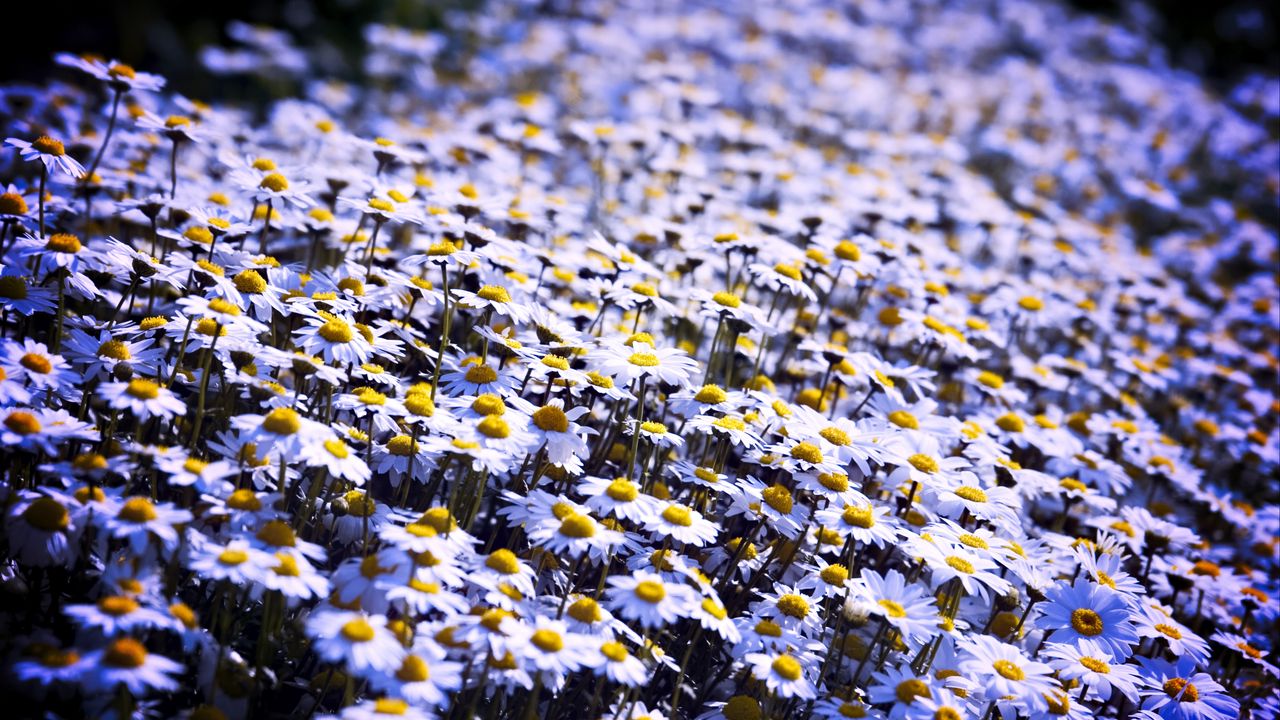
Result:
553,649
1005,674
236,561
144,398
1177,691
336,339
125,661
558,429
139,519
117,615
41,529
1157,622
620,498
119,76
1091,664
33,363
647,599
612,660
864,523
668,365
958,562
903,689
681,523
362,642
783,674
424,676
904,607
1086,610
50,152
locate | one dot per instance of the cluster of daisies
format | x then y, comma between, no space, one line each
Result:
706,361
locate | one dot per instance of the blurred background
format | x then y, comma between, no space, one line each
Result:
1221,40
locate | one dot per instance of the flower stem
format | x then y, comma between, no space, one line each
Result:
111,126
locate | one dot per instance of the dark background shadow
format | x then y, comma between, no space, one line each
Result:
1221,40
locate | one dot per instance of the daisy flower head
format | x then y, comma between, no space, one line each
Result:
1086,610
50,152
649,600
783,674
361,642
643,361
126,662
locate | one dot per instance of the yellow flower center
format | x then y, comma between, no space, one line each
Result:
1181,689
45,513
615,651
358,630
623,490
858,516
725,299
577,526
643,359
125,653
834,574
22,423
275,182
838,482
336,330
910,689
1096,665
835,436
714,609
730,423
586,610
282,421
551,419
926,464
481,375
793,605
972,494
244,499
1009,670
678,515
1011,423
807,452
494,293
1086,622
787,667
413,669
778,497
503,561
36,363
117,605
137,510
12,203
277,534
990,379
892,608
63,243
494,427
49,146
547,640
143,389
650,591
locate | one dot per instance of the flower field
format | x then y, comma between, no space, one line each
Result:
626,360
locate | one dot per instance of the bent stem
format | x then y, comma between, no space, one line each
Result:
444,333
111,126
44,176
